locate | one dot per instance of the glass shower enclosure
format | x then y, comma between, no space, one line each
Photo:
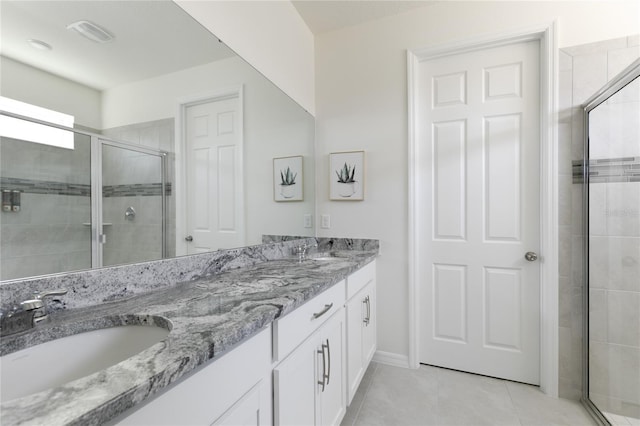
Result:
611,175
86,203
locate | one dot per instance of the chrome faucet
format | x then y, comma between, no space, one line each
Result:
25,316
37,305
301,250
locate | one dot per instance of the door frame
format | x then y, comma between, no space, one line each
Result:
546,34
180,184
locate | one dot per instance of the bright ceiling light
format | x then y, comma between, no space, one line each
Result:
92,31
16,128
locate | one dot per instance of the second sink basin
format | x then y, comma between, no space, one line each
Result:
63,360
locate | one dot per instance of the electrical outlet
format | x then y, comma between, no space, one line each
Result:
325,221
307,221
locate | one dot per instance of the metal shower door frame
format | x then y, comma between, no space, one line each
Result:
98,237
616,84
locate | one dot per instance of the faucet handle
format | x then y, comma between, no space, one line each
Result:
32,305
38,299
58,292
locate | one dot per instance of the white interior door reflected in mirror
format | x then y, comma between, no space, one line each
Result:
213,164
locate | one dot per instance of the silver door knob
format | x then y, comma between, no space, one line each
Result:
188,238
531,256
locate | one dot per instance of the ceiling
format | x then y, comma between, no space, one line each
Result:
151,38
322,16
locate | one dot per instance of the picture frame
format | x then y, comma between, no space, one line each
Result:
346,176
288,179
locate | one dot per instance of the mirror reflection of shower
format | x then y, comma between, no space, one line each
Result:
613,250
74,200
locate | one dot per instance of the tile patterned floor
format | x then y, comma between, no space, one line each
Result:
618,420
437,396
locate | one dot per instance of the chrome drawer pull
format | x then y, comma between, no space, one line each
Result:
322,312
368,310
324,365
365,301
328,375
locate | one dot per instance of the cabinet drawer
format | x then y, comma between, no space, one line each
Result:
360,278
293,329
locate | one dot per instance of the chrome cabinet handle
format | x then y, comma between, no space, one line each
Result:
368,310
531,256
323,311
324,367
365,301
328,375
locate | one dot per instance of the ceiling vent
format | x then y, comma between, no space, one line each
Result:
91,31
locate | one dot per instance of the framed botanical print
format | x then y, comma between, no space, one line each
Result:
288,180
346,176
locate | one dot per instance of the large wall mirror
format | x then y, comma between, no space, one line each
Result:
173,147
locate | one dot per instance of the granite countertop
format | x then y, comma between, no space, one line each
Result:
207,317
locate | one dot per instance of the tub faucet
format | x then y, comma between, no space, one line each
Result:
37,305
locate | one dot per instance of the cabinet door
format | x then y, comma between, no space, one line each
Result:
369,336
356,310
251,410
294,382
332,399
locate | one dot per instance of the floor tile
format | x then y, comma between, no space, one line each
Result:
399,396
617,420
437,396
465,399
535,408
356,404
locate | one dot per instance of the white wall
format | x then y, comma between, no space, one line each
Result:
270,35
274,126
32,85
361,103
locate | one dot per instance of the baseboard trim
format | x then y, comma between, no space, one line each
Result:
390,358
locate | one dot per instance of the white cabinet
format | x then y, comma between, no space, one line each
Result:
234,389
331,401
309,383
361,325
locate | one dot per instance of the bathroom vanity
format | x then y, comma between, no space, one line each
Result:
275,341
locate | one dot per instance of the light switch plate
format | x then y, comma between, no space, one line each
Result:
307,221
325,221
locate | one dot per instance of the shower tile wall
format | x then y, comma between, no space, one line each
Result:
139,239
48,234
584,70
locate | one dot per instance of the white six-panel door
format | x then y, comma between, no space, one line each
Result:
213,145
478,211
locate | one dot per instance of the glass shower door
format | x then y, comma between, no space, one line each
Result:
133,204
45,182
613,252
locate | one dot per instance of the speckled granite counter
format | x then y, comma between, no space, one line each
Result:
207,316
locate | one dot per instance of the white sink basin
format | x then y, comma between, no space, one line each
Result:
60,361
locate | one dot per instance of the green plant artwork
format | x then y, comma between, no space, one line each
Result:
346,173
287,177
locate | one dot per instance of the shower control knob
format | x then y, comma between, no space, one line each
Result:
531,256
188,238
